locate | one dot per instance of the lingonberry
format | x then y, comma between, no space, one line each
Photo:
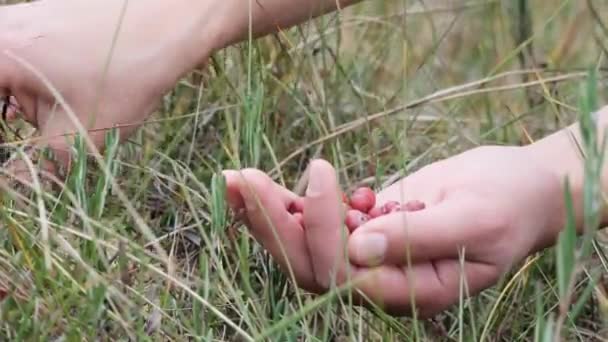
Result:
414,205
375,212
355,218
363,199
389,207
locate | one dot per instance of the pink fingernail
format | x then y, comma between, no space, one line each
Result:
370,249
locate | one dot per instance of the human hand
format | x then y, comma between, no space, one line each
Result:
492,206
63,53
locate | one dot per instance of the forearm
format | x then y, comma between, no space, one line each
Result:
202,27
269,16
184,33
560,153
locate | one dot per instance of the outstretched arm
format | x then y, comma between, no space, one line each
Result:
68,44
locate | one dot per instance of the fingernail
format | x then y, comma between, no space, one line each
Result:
233,195
315,183
370,248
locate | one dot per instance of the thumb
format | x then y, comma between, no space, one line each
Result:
435,232
323,220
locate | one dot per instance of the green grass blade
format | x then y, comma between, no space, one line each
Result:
218,200
565,253
584,297
99,197
539,327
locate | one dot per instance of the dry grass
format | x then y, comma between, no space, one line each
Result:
436,77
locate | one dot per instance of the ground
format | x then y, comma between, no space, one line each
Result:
414,67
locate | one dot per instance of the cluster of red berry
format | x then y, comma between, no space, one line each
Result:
361,207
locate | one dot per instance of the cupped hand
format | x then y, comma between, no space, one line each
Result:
489,207
106,64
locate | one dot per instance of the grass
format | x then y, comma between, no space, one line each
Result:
141,247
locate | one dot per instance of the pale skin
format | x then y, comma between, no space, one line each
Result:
497,206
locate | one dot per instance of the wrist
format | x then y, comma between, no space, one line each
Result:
198,28
561,154
215,23
183,33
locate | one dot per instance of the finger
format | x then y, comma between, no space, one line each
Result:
25,168
270,223
233,190
9,107
326,234
13,84
12,107
429,288
18,168
437,231
235,200
27,105
19,102
6,76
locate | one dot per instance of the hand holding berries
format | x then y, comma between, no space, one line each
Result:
462,211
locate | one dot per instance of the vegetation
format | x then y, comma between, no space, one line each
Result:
142,247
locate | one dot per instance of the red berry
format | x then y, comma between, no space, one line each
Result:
414,205
375,212
389,207
355,218
363,199
396,209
